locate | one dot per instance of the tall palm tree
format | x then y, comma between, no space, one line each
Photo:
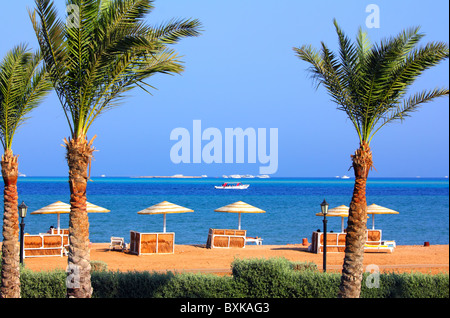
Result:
369,83
105,51
23,84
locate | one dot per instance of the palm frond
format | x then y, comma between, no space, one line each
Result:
23,85
111,52
410,105
369,82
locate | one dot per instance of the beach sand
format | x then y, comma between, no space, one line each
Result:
196,258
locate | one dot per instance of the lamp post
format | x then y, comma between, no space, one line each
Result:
324,207
22,213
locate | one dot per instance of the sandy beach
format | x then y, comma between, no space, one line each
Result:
196,258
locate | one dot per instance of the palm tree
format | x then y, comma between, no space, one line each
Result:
369,83
23,84
107,50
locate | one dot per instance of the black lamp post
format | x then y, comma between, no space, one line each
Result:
324,207
22,213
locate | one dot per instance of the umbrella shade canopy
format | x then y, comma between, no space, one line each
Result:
239,207
376,209
341,211
54,208
165,208
92,208
63,208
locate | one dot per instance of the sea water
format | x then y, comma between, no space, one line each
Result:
290,205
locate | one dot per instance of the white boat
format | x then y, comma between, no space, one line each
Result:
345,177
263,176
235,176
227,185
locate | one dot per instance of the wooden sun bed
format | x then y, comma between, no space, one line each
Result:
226,238
44,245
152,243
336,242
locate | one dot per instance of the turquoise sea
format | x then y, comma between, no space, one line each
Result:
291,205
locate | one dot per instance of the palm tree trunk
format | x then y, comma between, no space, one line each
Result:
78,283
10,287
352,270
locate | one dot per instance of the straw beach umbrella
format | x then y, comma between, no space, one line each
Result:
376,209
341,211
165,208
59,208
239,207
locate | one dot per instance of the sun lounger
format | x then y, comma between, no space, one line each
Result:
118,242
378,248
256,240
375,243
226,238
389,243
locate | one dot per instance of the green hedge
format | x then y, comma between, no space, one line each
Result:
260,278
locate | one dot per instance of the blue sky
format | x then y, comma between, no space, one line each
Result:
242,72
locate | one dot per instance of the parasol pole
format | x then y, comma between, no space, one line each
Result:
239,221
58,221
373,221
164,228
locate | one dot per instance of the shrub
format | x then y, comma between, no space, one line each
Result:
190,285
279,278
262,278
42,284
128,284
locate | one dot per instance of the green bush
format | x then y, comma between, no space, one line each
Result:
281,278
51,284
128,284
261,278
190,285
421,286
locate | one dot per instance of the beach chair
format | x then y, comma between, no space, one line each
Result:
256,240
117,242
378,248
375,243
